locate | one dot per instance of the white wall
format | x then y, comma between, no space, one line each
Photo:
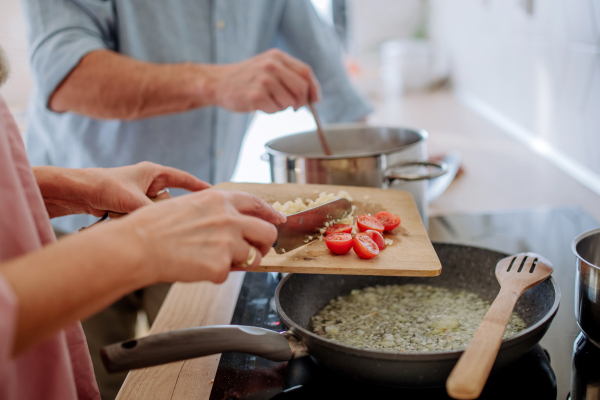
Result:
537,74
372,22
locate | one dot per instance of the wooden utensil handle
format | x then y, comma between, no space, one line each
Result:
322,138
467,379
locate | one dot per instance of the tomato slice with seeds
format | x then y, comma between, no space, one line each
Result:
339,228
366,222
339,243
364,246
377,238
390,221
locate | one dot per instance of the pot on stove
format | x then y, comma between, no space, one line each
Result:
381,157
587,284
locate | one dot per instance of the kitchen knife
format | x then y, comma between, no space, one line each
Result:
295,231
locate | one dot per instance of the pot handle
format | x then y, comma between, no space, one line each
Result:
391,176
187,343
264,157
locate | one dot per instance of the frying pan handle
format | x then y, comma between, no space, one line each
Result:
187,343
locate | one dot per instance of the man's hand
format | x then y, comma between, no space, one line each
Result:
271,81
117,190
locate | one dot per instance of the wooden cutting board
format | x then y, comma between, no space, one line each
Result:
411,254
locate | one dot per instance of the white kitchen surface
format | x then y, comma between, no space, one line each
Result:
263,128
535,63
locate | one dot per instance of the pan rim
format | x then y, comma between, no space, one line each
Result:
423,356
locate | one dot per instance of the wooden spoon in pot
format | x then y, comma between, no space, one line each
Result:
322,138
516,274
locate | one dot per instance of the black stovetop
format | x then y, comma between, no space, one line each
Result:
562,361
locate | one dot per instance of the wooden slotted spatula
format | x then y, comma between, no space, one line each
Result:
516,274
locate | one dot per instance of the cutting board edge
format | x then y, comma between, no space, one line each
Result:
356,271
231,186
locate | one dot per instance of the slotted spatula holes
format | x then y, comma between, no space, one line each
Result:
511,264
533,266
522,264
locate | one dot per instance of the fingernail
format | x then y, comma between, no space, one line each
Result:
283,217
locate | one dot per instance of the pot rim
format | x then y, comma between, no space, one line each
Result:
348,126
578,239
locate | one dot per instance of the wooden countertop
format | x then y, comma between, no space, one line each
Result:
500,173
186,305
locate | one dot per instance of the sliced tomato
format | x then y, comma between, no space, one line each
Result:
366,222
339,243
364,246
377,238
390,221
338,228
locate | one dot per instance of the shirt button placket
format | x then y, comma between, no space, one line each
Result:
217,153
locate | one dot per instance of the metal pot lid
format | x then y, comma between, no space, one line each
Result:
348,141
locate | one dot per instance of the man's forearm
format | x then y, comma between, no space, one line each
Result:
108,85
72,279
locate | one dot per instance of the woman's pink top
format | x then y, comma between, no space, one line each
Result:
60,368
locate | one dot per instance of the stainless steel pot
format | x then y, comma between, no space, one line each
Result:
382,157
587,284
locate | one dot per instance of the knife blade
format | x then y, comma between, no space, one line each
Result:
293,233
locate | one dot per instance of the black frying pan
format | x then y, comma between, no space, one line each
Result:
300,296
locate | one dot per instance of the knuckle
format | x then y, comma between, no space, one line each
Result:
306,70
215,196
226,220
257,204
270,66
273,233
229,243
274,52
305,87
301,90
265,81
224,260
147,164
256,96
221,277
221,270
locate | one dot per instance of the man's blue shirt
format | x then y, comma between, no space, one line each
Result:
205,142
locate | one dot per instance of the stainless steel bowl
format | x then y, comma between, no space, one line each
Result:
587,284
